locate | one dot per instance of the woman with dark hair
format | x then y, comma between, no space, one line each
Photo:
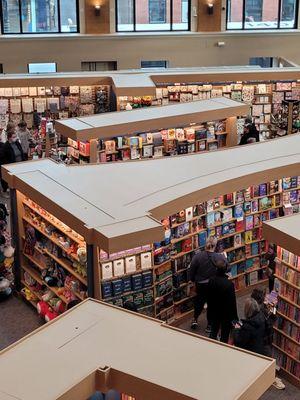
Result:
250,132
249,334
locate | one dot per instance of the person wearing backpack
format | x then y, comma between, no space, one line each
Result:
202,269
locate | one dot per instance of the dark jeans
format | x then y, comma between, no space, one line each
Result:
200,299
225,327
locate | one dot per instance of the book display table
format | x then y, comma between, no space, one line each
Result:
99,347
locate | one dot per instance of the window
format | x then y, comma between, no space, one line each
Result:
153,15
263,62
41,68
99,66
262,14
154,64
39,16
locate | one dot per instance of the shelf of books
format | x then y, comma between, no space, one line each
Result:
287,329
167,142
267,99
53,260
155,277
284,232
141,134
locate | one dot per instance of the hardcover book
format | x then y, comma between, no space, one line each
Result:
117,287
137,282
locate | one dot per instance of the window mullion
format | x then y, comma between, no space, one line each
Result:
20,16
134,15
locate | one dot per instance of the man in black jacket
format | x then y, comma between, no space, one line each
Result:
202,269
11,152
221,305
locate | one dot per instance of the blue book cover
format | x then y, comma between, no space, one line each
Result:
117,287
202,238
148,297
233,271
147,279
137,282
263,189
238,211
106,290
210,219
249,263
127,284
254,248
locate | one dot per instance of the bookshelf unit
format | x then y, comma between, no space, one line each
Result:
141,256
286,341
267,98
160,287
51,270
148,133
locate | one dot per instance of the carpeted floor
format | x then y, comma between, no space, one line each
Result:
19,319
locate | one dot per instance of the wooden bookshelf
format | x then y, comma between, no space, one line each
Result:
284,232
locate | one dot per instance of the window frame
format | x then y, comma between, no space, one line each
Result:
134,30
279,20
58,32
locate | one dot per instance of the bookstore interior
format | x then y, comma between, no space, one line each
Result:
112,232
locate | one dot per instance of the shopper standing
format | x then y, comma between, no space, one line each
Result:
11,153
270,256
202,269
24,136
221,304
250,132
249,334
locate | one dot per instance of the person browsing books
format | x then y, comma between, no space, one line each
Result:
250,333
202,269
250,132
221,302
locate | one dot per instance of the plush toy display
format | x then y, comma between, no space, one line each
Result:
5,289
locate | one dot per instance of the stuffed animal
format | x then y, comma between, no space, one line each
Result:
42,308
50,315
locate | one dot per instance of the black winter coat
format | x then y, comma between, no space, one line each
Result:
221,303
252,334
7,154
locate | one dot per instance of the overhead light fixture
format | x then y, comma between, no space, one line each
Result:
210,8
97,10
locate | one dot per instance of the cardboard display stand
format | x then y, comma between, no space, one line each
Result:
99,347
285,233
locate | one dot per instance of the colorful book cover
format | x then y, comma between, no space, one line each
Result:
254,248
210,206
286,183
240,225
247,207
210,219
255,191
293,196
264,203
227,214
256,220
294,181
248,237
237,240
202,238
249,222
229,199
263,189
238,211
232,227
225,229
254,206
248,194
239,196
